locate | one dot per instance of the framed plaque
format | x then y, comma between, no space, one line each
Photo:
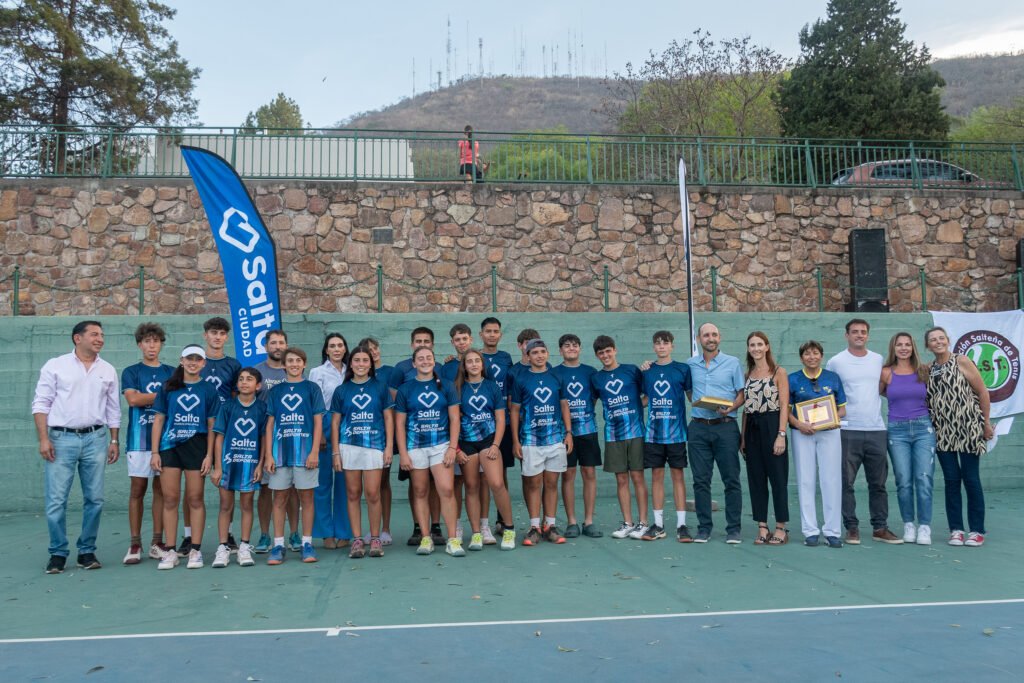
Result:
820,413
711,403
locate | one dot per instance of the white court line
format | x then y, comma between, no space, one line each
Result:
337,630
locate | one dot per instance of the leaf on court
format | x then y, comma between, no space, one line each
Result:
257,615
349,623
711,626
86,606
353,635
654,642
475,597
250,678
955,625
989,632
94,670
624,577
412,609
567,649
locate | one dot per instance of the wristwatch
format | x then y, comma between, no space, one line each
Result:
114,441
782,434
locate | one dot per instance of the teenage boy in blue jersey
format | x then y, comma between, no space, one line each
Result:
139,384
421,337
666,383
222,372
586,450
291,453
541,438
498,365
619,388
462,341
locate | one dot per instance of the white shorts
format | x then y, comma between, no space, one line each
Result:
139,464
538,459
359,458
301,478
425,458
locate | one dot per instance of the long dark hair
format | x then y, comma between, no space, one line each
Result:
327,340
433,370
176,380
462,376
349,374
768,358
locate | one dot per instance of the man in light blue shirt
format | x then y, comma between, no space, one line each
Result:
713,434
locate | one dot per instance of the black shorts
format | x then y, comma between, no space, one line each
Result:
586,451
474,447
508,458
658,454
187,455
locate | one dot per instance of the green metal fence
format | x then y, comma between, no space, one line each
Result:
431,156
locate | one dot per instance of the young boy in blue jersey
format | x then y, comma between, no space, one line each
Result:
498,365
139,384
222,372
541,438
665,385
586,450
291,452
619,388
185,408
238,433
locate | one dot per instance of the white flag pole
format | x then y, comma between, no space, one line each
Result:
684,219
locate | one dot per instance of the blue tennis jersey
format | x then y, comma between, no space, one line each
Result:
404,372
803,388
242,427
294,407
539,396
361,407
619,392
187,409
665,387
479,403
576,383
498,364
145,379
222,373
426,408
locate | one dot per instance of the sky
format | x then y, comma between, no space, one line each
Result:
337,59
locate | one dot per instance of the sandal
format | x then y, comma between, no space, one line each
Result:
762,534
776,539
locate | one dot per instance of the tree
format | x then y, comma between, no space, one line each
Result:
699,87
69,63
858,77
278,117
993,124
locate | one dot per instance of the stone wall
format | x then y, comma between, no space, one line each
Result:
549,246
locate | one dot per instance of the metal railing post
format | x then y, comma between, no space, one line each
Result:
142,290
915,172
494,288
380,288
15,305
821,291
606,289
924,291
355,156
1018,175
714,289
590,164
108,155
1020,288
701,174
812,175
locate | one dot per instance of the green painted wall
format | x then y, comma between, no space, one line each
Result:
26,343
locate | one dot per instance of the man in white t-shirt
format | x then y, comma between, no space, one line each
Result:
863,435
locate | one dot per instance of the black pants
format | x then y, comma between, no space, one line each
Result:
764,467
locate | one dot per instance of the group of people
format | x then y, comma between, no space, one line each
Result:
312,450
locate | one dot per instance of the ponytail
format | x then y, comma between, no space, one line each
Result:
176,380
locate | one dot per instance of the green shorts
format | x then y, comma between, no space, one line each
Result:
624,456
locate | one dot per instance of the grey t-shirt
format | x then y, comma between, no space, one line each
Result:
271,378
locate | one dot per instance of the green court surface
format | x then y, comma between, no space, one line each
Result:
582,578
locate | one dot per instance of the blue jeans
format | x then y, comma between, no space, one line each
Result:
957,469
330,519
86,453
912,451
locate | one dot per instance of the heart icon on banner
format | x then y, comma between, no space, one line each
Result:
291,401
574,389
478,402
542,394
361,400
661,387
428,399
244,426
188,402
614,386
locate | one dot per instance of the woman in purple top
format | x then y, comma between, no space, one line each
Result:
904,383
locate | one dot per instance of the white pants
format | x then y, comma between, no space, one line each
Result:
821,455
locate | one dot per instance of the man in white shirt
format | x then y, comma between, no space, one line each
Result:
863,435
76,403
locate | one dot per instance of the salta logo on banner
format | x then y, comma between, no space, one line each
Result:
236,232
998,361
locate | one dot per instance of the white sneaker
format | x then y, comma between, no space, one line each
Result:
245,555
195,559
508,540
623,531
488,535
909,532
924,535
156,552
134,555
638,531
454,547
169,560
220,558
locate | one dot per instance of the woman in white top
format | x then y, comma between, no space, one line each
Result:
331,521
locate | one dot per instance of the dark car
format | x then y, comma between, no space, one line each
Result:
902,172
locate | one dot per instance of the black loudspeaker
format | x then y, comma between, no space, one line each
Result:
1020,253
869,280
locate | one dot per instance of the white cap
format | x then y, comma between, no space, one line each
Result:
193,350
